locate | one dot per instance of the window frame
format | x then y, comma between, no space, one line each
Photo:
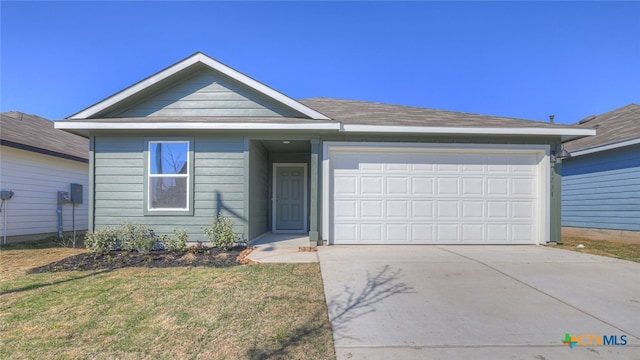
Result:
188,211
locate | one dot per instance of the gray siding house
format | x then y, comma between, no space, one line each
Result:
199,138
601,181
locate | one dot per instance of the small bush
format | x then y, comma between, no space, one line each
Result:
101,241
143,245
132,237
177,242
220,233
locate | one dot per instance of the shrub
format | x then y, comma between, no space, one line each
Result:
220,233
132,237
101,241
143,245
177,242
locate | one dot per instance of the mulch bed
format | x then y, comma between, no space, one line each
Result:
208,257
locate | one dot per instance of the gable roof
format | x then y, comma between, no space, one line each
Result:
617,128
182,69
378,117
317,114
37,134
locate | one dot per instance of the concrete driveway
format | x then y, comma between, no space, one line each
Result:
499,302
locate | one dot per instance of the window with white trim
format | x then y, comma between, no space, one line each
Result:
168,176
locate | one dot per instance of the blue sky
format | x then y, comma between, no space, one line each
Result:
518,59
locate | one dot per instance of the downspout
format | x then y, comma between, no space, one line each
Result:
4,226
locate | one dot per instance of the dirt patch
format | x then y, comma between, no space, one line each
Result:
209,257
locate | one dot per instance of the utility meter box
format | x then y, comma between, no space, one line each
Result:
76,193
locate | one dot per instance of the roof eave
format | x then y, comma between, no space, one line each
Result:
565,133
612,146
83,127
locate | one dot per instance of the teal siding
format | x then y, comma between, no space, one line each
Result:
206,93
602,190
258,190
119,184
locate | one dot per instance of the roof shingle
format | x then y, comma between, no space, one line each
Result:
615,126
369,113
34,132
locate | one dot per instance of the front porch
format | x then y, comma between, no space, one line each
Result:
282,188
282,248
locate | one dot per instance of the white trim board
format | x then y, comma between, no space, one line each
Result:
606,147
573,132
97,125
305,228
543,167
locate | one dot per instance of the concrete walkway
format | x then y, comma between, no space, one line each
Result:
480,302
282,248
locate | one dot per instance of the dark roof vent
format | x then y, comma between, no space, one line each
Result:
587,119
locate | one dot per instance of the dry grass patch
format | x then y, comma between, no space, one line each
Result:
242,312
613,249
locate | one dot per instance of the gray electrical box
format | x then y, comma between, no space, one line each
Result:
76,193
6,194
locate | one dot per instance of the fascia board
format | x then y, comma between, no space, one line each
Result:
71,125
190,61
469,130
135,88
605,147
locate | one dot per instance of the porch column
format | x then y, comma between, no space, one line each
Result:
313,206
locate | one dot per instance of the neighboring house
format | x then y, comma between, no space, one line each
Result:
36,162
601,181
198,138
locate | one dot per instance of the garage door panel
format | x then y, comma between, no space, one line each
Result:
497,209
447,209
447,186
371,233
522,186
371,185
433,198
522,210
371,209
497,186
421,209
473,233
397,209
345,185
346,209
498,233
447,233
473,209
422,233
472,186
346,233
397,185
397,232
522,233
422,185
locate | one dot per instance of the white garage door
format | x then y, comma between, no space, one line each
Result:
430,197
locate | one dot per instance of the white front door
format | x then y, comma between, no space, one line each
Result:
434,197
289,198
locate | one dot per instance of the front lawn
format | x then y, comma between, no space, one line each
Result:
239,312
619,250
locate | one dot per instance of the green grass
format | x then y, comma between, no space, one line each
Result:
619,250
245,312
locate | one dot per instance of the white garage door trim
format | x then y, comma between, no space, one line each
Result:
541,152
